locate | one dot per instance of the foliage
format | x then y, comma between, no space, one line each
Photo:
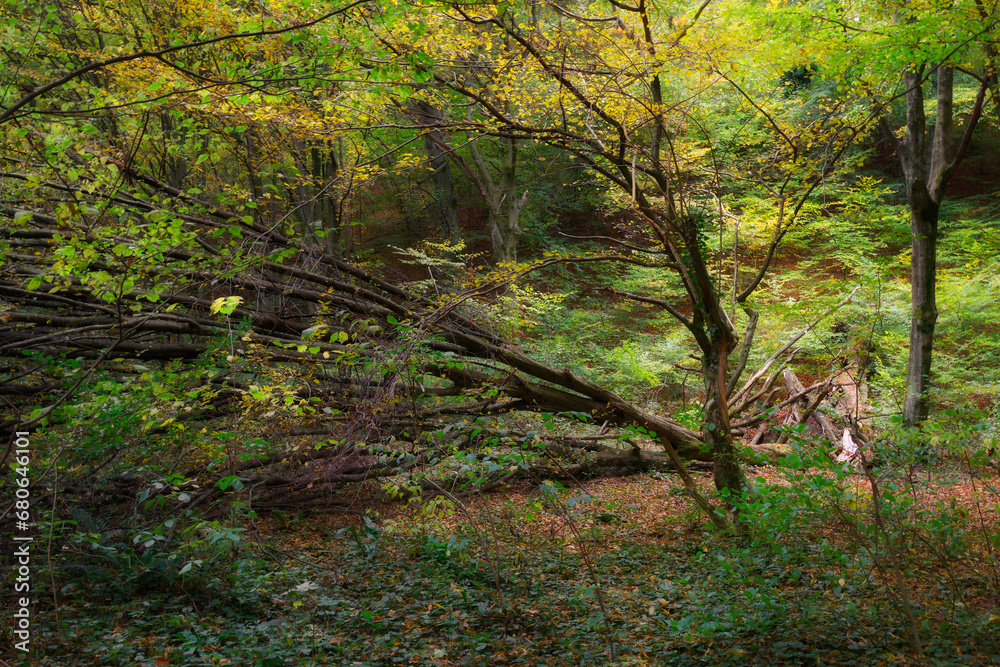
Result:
693,598
189,335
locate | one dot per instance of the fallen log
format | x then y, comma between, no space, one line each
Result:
802,408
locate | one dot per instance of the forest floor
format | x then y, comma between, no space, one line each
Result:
605,571
613,571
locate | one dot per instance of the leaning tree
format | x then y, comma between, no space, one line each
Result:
616,90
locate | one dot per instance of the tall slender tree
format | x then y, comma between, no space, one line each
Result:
901,59
929,159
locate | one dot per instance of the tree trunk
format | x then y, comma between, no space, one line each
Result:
437,155
175,166
924,312
326,171
928,163
501,198
504,227
317,196
718,433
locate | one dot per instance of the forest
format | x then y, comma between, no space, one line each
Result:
523,332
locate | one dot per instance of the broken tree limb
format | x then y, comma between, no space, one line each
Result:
852,399
796,390
756,419
768,392
747,344
822,391
784,348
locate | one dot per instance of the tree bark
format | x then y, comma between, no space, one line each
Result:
317,195
437,155
928,164
718,431
924,312
175,167
502,200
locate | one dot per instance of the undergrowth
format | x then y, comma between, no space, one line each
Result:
811,585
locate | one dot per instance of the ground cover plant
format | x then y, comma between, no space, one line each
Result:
589,574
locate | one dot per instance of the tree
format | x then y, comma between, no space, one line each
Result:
138,260
591,86
502,199
609,88
438,155
880,57
929,160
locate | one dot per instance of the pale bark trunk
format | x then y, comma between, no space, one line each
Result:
501,198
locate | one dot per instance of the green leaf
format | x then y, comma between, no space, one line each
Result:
226,304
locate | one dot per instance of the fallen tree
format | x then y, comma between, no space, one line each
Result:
350,361
379,370
173,316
